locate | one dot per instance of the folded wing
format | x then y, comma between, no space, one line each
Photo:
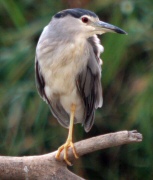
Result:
89,83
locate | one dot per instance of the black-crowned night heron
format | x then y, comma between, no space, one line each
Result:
68,69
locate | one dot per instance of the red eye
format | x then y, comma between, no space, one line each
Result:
85,19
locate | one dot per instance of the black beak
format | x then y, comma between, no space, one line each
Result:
106,27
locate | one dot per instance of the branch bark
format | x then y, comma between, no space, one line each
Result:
46,167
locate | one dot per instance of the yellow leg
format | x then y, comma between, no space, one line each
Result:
68,142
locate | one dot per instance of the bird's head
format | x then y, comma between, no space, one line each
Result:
82,22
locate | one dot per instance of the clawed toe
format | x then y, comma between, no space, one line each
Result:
65,148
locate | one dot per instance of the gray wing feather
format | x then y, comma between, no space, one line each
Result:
39,79
55,106
89,86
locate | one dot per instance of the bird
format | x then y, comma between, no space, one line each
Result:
68,69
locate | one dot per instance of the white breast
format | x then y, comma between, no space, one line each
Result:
60,67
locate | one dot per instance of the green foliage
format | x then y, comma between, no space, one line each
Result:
26,124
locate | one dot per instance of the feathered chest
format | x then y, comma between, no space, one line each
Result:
60,63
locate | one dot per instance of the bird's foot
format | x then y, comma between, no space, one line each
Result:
65,147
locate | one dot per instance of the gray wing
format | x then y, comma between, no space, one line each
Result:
55,106
89,85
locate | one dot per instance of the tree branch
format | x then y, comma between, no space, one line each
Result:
46,167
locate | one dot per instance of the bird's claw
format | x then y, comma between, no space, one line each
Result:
65,148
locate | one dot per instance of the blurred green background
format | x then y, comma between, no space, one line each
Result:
26,124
